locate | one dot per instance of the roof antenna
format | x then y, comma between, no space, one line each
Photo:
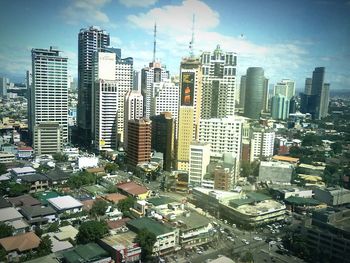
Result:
192,39
154,42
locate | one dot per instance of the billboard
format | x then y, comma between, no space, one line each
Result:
187,89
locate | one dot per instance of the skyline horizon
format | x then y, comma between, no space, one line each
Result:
288,48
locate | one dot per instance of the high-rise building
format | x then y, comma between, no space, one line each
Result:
199,160
112,80
219,83
3,86
163,137
165,99
189,109
133,110
285,88
324,103
315,100
90,40
154,73
242,91
256,93
224,135
48,138
49,94
308,85
262,143
280,107
139,142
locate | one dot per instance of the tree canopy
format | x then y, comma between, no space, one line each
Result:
81,179
5,230
60,157
99,208
111,167
91,231
125,204
146,240
2,168
311,140
45,246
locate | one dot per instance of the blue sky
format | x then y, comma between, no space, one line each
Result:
288,38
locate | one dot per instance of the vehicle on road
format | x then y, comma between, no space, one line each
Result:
257,238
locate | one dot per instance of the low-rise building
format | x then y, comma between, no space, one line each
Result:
333,196
65,204
10,216
283,192
38,215
16,246
328,234
20,171
122,247
90,252
37,182
166,237
275,172
6,157
311,169
25,152
57,177
66,233
114,197
134,190
24,200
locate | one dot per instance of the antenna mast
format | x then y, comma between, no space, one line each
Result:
192,39
154,42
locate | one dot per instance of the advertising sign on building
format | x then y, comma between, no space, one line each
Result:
187,89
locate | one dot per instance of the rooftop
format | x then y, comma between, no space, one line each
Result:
44,196
285,159
35,211
31,178
24,200
149,224
9,214
23,170
296,200
114,197
66,233
57,175
117,223
192,221
21,242
4,203
162,200
261,208
64,202
132,188
122,240
85,253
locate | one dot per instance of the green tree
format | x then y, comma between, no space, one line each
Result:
2,168
38,231
81,179
99,208
91,231
16,189
337,147
54,227
45,246
246,169
111,167
247,257
5,230
43,168
2,254
125,204
146,240
60,157
311,140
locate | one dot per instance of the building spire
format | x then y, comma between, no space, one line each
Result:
154,42
192,39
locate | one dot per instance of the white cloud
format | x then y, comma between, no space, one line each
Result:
115,41
88,11
138,3
174,23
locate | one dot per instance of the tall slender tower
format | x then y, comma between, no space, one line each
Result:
49,100
133,110
255,96
89,40
189,110
219,84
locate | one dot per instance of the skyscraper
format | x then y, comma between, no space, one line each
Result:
154,73
308,85
219,84
139,142
285,88
199,160
165,99
163,137
133,110
324,103
242,91
112,80
261,143
256,93
89,41
49,95
189,110
280,107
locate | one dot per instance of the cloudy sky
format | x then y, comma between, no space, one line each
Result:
288,38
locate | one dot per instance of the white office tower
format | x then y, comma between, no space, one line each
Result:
49,95
154,73
261,144
133,110
165,99
279,107
113,79
199,160
224,135
219,84
286,88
